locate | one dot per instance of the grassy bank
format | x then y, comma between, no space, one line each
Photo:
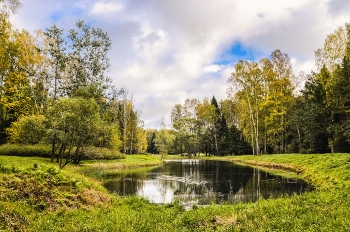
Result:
326,209
97,169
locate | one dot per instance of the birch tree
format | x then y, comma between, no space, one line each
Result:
88,60
248,80
278,100
333,50
57,57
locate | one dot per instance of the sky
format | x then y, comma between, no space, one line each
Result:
165,51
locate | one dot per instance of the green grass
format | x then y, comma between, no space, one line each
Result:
99,153
325,209
98,169
30,187
327,172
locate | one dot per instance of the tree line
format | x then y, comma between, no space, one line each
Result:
200,127
266,112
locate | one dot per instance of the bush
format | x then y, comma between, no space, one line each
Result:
44,150
39,150
27,130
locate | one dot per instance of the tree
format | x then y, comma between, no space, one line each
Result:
107,135
332,60
35,72
57,57
141,136
9,6
207,116
186,135
163,141
88,60
235,142
17,61
151,135
314,121
263,94
75,122
278,99
247,79
185,123
125,113
229,111
341,106
333,50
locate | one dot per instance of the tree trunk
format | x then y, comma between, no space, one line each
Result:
61,154
53,149
299,138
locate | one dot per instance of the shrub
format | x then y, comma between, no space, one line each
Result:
27,130
44,150
39,150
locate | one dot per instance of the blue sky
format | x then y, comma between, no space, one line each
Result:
167,51
234,53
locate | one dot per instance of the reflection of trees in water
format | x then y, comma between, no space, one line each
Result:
203,182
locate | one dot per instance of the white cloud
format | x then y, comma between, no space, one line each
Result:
106,8
305,66
213,68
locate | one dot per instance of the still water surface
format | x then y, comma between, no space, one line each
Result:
202,182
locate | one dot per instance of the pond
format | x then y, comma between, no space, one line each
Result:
202,182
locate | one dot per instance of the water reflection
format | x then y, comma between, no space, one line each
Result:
203,182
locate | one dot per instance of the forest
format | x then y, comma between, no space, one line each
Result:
269,109
55,90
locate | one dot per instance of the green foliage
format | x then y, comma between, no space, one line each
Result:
27,130
107,135
263,99
74,123
57,58
14,216
37,71
163,141
44,150
42,187
310,117
151,135
38,150
87,59
202,127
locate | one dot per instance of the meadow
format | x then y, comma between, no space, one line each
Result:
37,196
